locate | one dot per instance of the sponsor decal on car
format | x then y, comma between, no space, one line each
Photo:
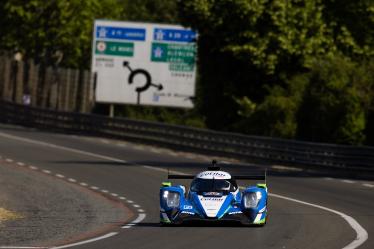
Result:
213,193
186,212
216,174
211,199
236,212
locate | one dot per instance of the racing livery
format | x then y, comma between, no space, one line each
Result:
214,195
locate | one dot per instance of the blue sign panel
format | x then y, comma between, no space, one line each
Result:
174,35
133,34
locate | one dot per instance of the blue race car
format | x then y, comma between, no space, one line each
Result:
214,196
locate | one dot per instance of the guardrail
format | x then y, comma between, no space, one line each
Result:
251,148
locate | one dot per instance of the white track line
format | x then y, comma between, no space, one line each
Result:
105,141
171,153
368,185
206,159
190,156
22,247
348,181
163,170
139,147
361,237
134,222
362,234
86,241
155,150
61,148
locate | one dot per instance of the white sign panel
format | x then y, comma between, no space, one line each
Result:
148,64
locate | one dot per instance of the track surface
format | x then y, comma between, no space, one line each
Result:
51,210
291,225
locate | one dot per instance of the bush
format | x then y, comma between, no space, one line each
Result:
334,106
330,103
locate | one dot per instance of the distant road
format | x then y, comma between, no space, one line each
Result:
123,170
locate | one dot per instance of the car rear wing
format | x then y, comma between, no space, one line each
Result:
256,175
237,177
251,177
176,176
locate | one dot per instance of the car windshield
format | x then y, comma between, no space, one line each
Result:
212,185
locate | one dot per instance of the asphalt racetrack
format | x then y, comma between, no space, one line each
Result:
305,211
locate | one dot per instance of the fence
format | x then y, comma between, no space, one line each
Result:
46,87
250,148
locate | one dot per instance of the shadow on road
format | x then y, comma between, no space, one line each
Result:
197,224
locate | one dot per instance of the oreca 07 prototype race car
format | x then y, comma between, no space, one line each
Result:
214,196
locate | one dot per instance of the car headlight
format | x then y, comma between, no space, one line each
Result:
251,200
172,199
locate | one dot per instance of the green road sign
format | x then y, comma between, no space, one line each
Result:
115,48
180,56
144,63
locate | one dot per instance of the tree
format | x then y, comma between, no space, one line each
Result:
336,103
53,31
286,68
330,103
351,22
239,56
160,11
276,116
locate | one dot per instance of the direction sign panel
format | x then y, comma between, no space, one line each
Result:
142,63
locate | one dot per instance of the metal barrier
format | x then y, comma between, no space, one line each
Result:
250,148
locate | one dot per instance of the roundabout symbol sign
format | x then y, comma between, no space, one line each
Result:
157,62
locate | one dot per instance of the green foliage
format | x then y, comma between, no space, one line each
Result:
50,31
263,33
246,106
369,130
164,115
159,11
351,22
240,56
335,106
274,70
276,115
287,68
330,103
